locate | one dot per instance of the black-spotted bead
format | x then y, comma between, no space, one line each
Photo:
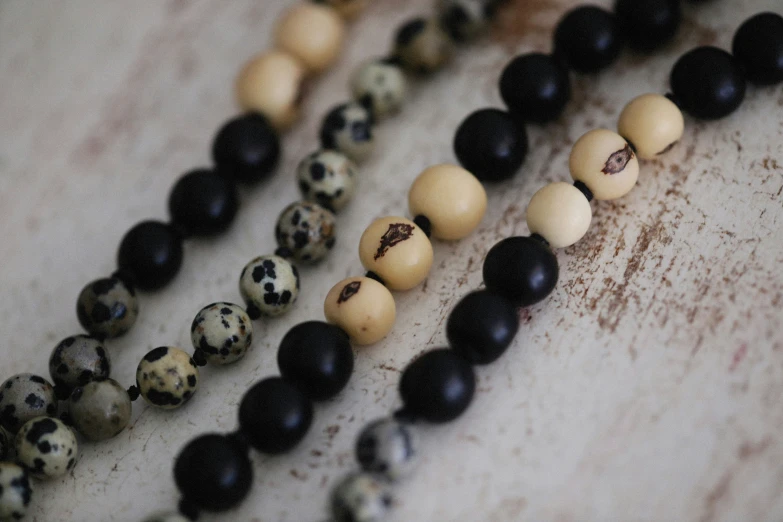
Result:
422,47
167,377
269,285
588,38
326,177
380,86
23,397
46,447
223,332
77,360
100,410
361,497
307,230
16,491
107,308
348,129
464,20
5,444
388,448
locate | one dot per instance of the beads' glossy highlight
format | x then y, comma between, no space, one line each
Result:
77,360
559,213
605,163
203,203
398,251
362,307
312,33
652,123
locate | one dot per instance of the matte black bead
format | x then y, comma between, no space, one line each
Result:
522,269
708,83
213,473
203,203
424,224
588,38
246,148
758,46
584,189
275,415
535,87
438,386
648,24
317,358
152,252
482,326
490,144
375,277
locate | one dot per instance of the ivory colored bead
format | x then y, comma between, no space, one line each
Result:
398,251
348,9
362,307
312,33
451,198
559,213
605,162
653,123
271,83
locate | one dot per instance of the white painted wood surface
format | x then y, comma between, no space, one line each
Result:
646,388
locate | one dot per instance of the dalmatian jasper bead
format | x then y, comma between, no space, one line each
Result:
107,308
360,497
422,47
326,177
5,443
348,128
381,86
387,447
78,360
47,447
167,377
100,409
23,397
269,285
223,332
307,230
464,20
166,517
15,491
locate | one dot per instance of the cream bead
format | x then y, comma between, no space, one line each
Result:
605,163
653,123
312,33
271,83
451,198
559,213
362,307
398,251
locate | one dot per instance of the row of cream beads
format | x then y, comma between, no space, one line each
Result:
606,164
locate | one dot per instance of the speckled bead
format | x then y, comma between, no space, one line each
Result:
398,251
100,410
652,123
167,377
348,129
16,491
222,332
381,86
362,307
77,360
559,213
107,308
387,447
5,443
422,47
23,397
269,285
326,177
307,230
605,163
46,447
348,9
166,517
360,497
463,20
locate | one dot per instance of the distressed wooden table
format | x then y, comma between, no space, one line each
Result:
646,388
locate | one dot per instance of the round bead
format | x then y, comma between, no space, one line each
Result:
77,360
348,9
438,386
387,448
758,46
246,148
107,308
46,447
522,269
422,47
707,83
23,397
490,145
213,472
652,123
269,285
166,517
151,252
380,86
312,33
307,230
167,377
5,444
348,129
272,83
16,491
605,163
326,177
463,20
203,203
222,332
398,251
481,327
362,307
100,410
317,358
559,213
535,87
275,415
588,38
361,497
650,24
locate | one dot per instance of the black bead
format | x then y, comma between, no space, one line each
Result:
482,326
588,38
438,386
246,148
203,202
648,24
490,144
708,83
758,46
535,88
522,269
317,358
275,415
424,224
213,473
152,253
